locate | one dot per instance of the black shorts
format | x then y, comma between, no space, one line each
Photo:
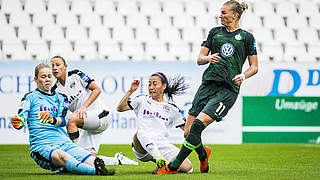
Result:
213,100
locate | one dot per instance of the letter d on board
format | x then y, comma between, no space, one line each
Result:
275,86
310,81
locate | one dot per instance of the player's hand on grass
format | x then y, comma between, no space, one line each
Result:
17,122
134,85
45,117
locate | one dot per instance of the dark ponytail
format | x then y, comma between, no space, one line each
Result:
175,86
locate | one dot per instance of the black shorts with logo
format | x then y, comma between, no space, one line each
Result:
213,99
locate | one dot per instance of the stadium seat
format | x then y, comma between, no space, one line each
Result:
43,19
285,35
90,20
150,7
273,51
164,19
86,50
263,35
34,6
180,51
314,21
134,51
137,20
8,33
29,33
308,35
296,21
294,52
104,7
169,34
172,8
286,8
249,21
11,6
74,33
157,51
184,21
196,8
19,19
63,48
263,8
58,6
193,35
123,34
14,50
207,22
308,8
113,20
273,21
111,51
38,49
100,33
66,19
52,32
127,7
147,34
81,7
313,51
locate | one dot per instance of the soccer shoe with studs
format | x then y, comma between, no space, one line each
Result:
204,165
165,170
101,168
125,160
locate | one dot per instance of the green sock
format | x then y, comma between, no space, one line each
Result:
201,152
192,141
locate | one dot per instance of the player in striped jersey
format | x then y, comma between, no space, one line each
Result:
83,94
154,117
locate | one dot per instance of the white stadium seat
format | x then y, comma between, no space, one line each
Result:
38,49
86,50
52,32
297,21
172,8
127,7
150,7
134,51
104,7
183,21
81,7
11,6
29,33
74,33
14,50
286,8
8,33
90,20
66,19
20,19
34,6
58,6
147,34
196,8
99,33
42,19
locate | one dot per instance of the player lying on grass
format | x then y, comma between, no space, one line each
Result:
85,102
154,117
46,112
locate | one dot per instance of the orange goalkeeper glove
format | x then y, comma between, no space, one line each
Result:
45,117
17,122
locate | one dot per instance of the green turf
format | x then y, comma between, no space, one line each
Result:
246,161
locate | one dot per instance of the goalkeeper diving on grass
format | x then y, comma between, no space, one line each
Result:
155,116
46,112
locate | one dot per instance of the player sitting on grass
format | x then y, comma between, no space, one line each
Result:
46,112
154,117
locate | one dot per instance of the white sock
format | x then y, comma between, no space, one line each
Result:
109,160
149,145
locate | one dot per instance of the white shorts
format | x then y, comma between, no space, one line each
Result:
167,150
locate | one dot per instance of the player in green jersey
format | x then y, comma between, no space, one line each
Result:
226,49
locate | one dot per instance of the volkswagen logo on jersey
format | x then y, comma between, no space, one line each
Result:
227,50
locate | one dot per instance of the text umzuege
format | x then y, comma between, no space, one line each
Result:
282,104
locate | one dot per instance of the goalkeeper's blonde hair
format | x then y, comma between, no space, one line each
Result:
39,67
237,7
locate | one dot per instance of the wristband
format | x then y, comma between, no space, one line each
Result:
54,121
243,76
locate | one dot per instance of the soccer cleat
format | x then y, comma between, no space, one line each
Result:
101,168
165,170
161,161
204,165
124,160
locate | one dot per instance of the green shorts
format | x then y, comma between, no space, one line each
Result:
213,100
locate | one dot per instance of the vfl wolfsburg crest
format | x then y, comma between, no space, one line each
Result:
227,50
238,37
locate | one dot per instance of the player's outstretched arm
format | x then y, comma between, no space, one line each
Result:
17,122
123,105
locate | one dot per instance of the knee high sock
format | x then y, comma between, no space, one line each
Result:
192,141
77,167
149,145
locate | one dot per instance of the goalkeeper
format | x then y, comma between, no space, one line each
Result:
154,118
46,113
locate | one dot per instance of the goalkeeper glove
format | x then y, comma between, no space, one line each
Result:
161,161
45,117
17,122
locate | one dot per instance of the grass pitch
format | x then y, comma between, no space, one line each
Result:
245,161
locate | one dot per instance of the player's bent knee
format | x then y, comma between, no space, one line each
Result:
59,157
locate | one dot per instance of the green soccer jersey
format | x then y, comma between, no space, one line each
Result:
233,48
